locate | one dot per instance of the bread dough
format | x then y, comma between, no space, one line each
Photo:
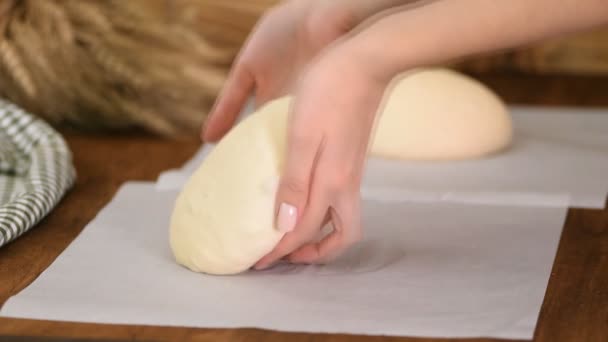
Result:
439,114
223,220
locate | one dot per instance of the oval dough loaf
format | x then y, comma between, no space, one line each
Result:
439,114
223,220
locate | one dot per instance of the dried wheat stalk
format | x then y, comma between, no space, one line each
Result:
113,64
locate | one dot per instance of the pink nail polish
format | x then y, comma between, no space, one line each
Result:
286,220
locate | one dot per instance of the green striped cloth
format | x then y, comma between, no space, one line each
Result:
35,171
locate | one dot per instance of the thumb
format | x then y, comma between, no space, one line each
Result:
229,103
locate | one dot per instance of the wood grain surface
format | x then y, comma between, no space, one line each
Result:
575,307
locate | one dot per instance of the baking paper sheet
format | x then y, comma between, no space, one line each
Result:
423,269
556,152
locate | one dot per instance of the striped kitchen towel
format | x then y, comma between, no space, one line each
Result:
36,171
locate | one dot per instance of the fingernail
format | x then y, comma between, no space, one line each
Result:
286,220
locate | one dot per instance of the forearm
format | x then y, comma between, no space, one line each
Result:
364,9
447,30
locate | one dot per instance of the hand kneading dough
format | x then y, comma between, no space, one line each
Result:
223,220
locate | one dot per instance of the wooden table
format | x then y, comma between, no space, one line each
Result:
575,307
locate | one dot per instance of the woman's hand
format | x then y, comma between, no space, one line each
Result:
329,131
285,40
339,94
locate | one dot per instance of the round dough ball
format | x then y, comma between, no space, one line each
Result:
439,114
223,219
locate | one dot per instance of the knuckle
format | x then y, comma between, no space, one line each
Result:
294,186
344,19
339,180
349,225
346,240
282,249
328,23
301,139
290,244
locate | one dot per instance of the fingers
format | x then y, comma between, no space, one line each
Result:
334,196
293,194
297,245
304,146
231,100
346,231
306,230
323,172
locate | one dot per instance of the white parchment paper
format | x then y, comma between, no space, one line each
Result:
423,269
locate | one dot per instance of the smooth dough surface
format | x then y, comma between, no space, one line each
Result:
223,220
439,114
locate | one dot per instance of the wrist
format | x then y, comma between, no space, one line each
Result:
360,78
372,57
